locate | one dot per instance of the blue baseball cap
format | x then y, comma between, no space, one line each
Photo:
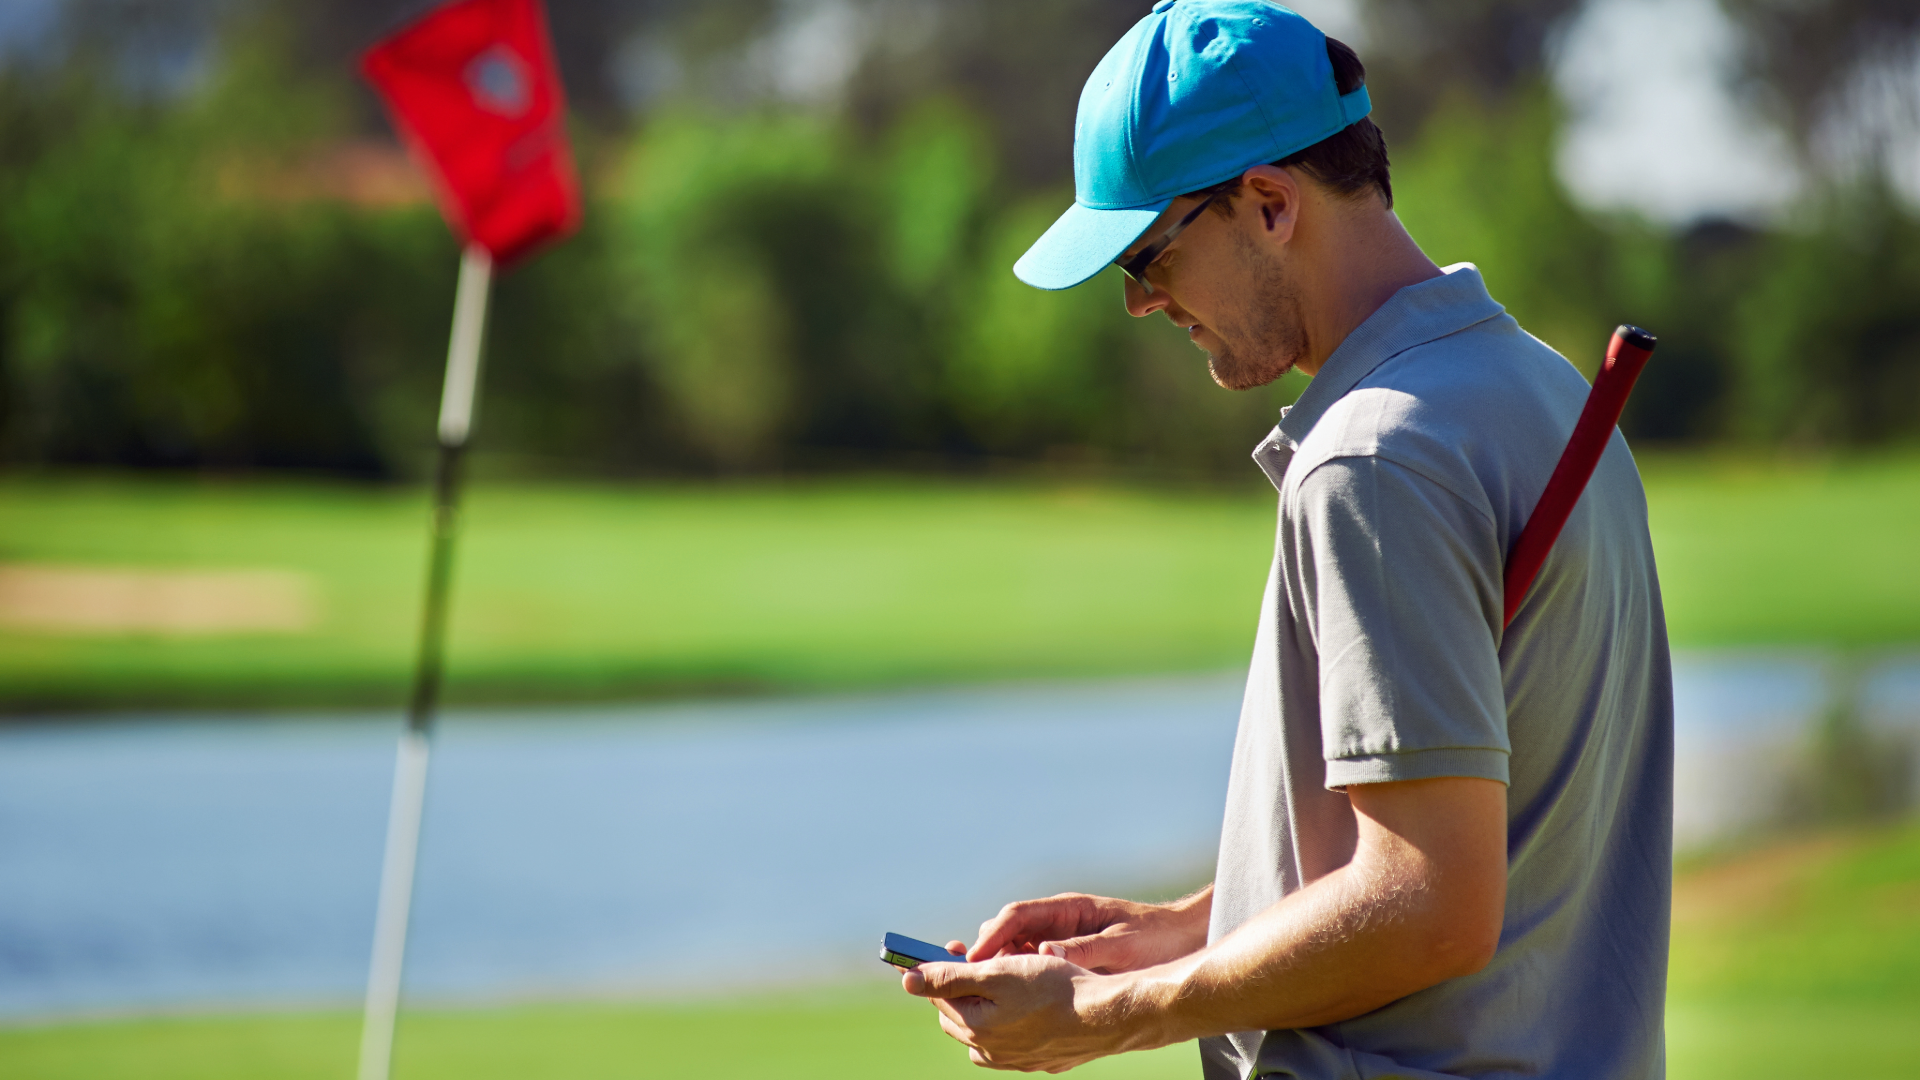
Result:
1195,94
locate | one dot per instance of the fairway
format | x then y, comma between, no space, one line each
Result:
1795,961
1779,552
567,592
572,591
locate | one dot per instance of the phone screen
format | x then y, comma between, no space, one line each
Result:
903,951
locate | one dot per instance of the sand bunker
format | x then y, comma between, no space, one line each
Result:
172,603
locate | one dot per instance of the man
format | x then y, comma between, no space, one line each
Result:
1446,849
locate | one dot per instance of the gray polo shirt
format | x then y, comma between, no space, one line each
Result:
1405,472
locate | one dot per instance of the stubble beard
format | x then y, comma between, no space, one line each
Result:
1271,338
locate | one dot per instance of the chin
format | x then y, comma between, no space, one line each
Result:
1235,373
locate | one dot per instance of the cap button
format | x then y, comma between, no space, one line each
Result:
1162,6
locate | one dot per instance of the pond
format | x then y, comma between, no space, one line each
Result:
182,862
159,861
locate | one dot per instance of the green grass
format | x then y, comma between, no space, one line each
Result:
570,591
1798,961
844,1035
1774,552
1830,919
1793,1041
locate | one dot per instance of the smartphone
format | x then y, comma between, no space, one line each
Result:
903,951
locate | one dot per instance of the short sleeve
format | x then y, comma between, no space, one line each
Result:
1403,603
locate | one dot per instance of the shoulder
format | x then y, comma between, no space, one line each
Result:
1464,411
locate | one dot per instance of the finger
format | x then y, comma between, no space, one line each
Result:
955,1030
983,1058
949,1016
940,980
958,948
967,1015
1056,916
1090,952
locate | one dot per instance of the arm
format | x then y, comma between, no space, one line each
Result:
1097,932
1420,902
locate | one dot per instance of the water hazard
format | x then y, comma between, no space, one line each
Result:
186,863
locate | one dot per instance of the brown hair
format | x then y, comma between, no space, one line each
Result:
1349,161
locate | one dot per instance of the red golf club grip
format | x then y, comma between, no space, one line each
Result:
1626,355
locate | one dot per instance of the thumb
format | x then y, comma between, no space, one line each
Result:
940,980
1089,951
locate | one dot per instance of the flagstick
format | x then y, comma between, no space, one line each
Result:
410,767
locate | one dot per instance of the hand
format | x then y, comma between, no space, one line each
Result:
1097,933
1030,1013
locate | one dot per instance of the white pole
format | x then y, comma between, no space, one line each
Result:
463,346
410,766
396,899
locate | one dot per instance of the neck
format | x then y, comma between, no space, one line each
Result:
1355,262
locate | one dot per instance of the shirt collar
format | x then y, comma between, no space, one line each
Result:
1413,316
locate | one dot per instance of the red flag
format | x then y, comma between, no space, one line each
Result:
475,92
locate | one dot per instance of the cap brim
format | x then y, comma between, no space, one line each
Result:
1082,243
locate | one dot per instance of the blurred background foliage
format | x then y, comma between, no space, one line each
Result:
801,219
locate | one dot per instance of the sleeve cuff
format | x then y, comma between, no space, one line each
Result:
1479,762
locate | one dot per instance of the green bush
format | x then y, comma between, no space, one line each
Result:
775,288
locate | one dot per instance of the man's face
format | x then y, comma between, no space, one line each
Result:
1232,293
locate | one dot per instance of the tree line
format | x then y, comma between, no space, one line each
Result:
238,273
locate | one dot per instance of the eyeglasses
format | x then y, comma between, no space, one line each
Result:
1136,267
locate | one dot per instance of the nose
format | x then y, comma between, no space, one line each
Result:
1140,302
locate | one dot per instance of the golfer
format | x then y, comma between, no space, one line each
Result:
1447,846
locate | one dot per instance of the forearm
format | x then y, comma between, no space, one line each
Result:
1315,958
1420,902
1359,938
1191,914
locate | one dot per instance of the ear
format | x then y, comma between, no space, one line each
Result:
1274,195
